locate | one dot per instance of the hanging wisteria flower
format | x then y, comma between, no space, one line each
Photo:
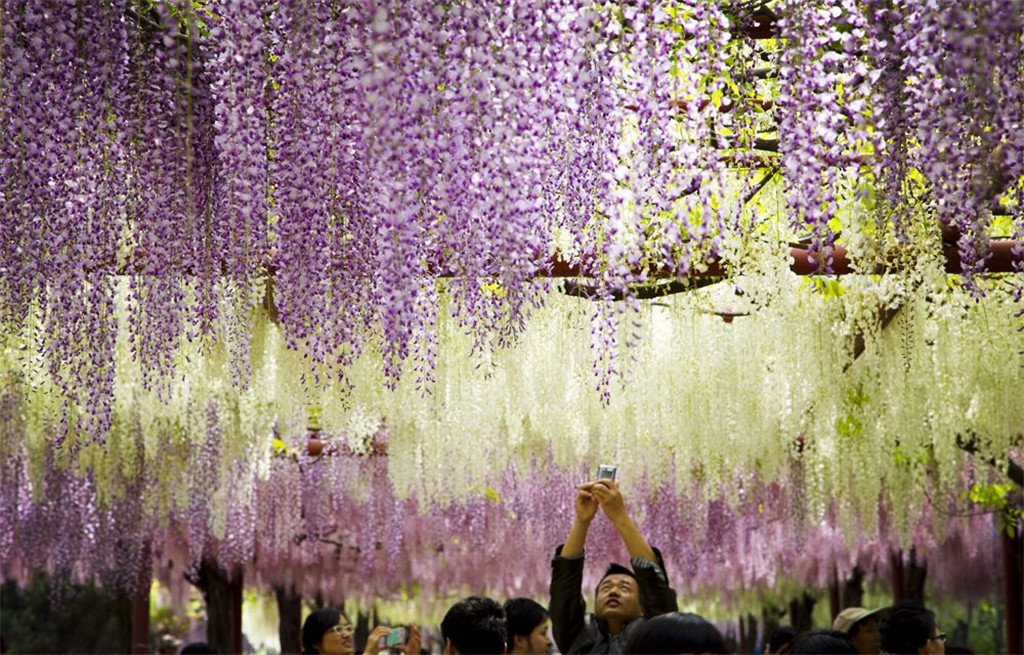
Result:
822,85
391,179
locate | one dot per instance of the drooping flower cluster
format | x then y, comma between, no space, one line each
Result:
822,100
411,141
666,200
329,161
335,526
962,67
821,455
185,190
62,164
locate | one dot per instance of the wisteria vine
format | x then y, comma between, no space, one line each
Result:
186,187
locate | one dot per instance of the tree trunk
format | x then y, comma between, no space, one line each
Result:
801,611
748,634
908,577
138,607
916,575
833,595
853,589
220,593
362,632
140,622
289,609
124,622
770,620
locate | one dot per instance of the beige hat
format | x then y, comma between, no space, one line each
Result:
851,616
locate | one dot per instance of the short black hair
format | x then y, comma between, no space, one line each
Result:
476,625
822,642
197,648
907,628
677,633
614,569
522,616
316,626
782,636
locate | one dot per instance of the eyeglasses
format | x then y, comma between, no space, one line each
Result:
940,637
342,629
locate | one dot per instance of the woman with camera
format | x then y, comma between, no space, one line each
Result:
327,631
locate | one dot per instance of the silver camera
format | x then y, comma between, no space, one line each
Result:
605,472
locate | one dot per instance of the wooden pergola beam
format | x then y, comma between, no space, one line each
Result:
1001,261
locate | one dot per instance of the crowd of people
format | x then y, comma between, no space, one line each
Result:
635,611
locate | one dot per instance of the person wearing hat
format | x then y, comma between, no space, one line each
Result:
863,627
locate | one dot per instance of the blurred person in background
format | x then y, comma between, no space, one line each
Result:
910,629
863,627
779,639
677,634
529,627
475,625
821,642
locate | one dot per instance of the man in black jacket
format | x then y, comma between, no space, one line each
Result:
624,597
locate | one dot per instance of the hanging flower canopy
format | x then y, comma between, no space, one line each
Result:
223,222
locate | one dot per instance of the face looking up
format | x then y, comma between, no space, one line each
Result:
618,598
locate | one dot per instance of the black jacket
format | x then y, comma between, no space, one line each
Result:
573,633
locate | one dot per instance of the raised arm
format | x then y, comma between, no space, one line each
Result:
656,596
567,607
586,509
607,494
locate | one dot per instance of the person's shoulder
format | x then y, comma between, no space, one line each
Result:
590,637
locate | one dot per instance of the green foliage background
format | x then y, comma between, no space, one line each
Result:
83,619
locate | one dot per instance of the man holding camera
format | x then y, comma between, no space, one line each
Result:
624,597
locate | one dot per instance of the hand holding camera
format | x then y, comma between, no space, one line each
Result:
608,496
399,639
602,492
586,504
